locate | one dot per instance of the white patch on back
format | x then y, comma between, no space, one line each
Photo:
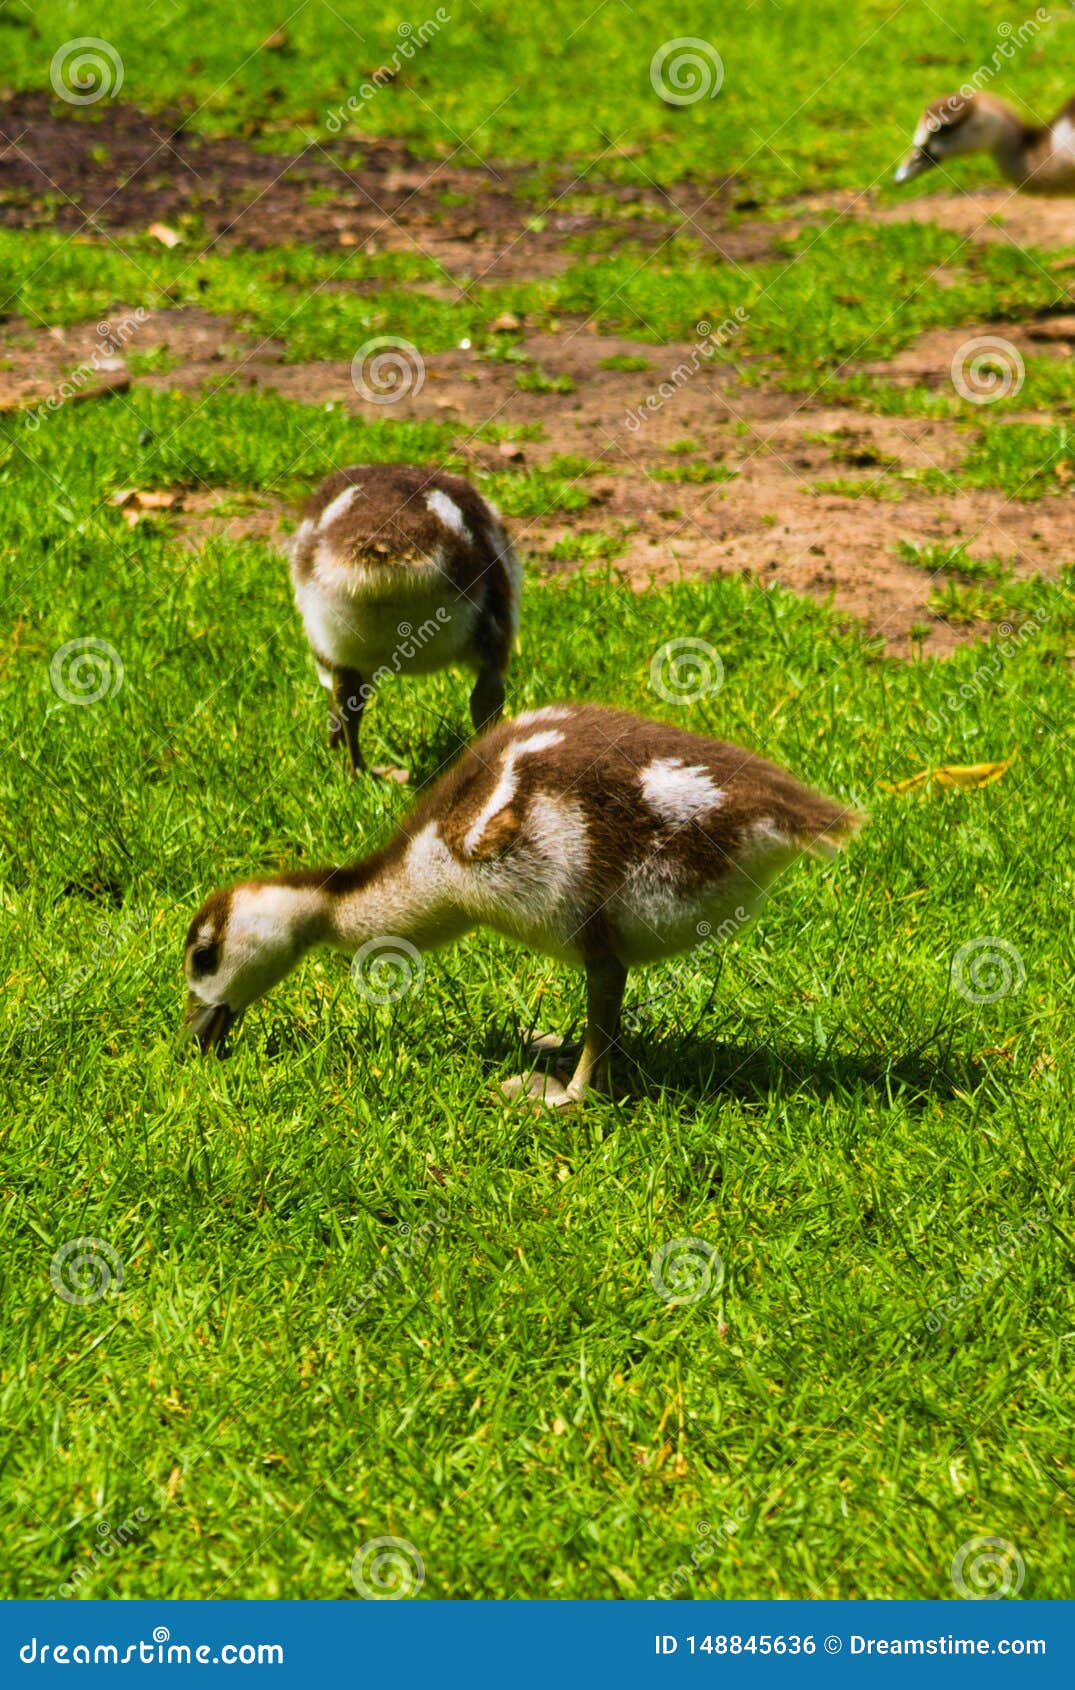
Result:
338,505
539,895
448,512
1064,137
504,790
547,713
678,793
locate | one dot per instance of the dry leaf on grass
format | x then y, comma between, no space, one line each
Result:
133,503
968,777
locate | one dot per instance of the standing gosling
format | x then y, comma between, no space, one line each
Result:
600,838
399,569
1038,159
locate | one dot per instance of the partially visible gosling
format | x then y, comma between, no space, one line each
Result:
597,837
1039,159
399,569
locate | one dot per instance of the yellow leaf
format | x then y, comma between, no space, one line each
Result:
967,776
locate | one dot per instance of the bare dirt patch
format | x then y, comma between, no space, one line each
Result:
116,167
772,517
727,474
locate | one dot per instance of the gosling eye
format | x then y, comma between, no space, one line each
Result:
203,960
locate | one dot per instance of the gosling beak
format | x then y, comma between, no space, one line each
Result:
918,160
206,1022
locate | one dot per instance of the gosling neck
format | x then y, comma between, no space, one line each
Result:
387,895
1016,145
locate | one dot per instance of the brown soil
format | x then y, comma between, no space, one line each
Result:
770,518
118,167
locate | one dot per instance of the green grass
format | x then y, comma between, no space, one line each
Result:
820,1106
360,1299
488,80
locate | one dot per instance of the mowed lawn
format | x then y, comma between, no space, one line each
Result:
351,1296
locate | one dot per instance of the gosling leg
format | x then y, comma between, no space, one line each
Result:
606,979
487,699
348,703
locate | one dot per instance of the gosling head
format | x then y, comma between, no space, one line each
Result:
241,943
953,126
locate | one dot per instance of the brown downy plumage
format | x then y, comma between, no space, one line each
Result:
398,569
1039,159
597,837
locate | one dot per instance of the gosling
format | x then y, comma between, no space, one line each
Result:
600,838
398,569
1039,159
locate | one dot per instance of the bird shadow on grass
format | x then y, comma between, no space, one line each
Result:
763,1072
698,1072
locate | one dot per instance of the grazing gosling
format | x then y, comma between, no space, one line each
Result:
600,838
399,569
1039,159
